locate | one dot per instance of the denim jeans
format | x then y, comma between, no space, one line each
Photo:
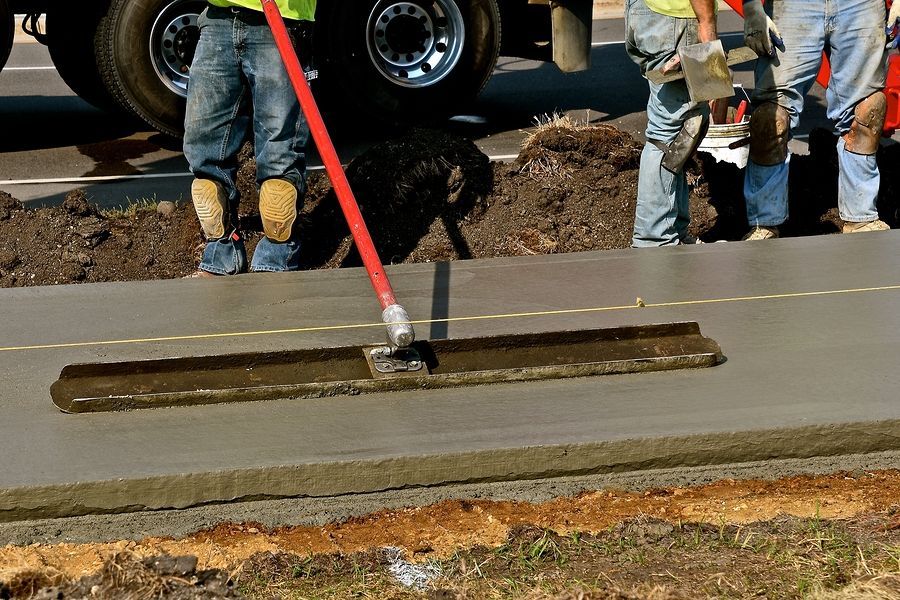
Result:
852,31
238,81
662,214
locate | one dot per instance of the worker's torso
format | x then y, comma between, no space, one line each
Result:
301,10
672,8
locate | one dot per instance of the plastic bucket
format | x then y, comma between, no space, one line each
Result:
728,142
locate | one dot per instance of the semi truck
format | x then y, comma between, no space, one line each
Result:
399,59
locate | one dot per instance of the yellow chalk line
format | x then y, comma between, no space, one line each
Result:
543,313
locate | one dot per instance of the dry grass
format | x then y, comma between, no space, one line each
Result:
131,209
547,163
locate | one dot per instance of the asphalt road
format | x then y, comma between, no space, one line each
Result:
53,142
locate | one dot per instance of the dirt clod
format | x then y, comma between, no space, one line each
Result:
166,208
76,203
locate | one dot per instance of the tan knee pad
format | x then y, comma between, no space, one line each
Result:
769,127
868,121
278,208
211,206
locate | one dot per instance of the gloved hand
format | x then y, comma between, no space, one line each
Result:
760,33
892,28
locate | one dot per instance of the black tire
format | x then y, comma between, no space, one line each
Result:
353,70
71,29
7,32
127,64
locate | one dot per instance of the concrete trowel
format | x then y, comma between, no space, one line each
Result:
705,69
401,364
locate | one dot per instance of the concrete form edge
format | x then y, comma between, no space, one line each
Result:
495,465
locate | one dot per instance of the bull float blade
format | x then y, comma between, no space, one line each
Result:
352,370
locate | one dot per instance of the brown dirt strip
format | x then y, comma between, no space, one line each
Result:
438,531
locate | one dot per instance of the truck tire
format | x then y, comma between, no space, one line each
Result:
407,59
7,32
144,49
71,29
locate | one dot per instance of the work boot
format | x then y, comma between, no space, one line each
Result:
876,225
761,232
211,205
278,208
201,274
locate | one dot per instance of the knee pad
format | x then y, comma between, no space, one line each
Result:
278,208
868,121
769,127
211,205
679,151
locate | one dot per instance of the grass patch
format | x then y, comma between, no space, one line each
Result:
131,209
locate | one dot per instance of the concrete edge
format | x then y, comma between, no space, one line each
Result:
338,478
317,512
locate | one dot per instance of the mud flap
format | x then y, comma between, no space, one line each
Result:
326,372
571,23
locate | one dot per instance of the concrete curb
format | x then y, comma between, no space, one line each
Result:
497,465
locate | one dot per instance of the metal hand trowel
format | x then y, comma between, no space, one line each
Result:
704,68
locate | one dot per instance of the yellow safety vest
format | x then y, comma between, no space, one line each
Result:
672,8
299,10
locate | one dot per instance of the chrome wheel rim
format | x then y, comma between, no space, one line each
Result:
415,44
173,40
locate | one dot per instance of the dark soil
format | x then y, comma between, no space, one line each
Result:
429,196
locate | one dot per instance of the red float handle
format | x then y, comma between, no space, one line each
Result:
333,166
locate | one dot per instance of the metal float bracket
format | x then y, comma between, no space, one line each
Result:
386,361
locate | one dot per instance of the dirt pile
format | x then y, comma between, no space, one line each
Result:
430,196
76,243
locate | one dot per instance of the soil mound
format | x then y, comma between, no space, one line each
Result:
430,196
76,243
414,192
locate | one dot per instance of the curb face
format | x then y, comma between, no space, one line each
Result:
515,464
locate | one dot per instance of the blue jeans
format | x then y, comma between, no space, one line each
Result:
853,33
662,214
238,80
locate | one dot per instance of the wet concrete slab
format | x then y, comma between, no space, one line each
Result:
809,328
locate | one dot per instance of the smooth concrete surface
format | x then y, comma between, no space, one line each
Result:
805,376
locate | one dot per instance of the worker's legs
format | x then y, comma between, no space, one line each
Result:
856,104
662,213
782,83
216,124
280,137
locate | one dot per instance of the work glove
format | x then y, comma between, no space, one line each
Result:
892,28
760,33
